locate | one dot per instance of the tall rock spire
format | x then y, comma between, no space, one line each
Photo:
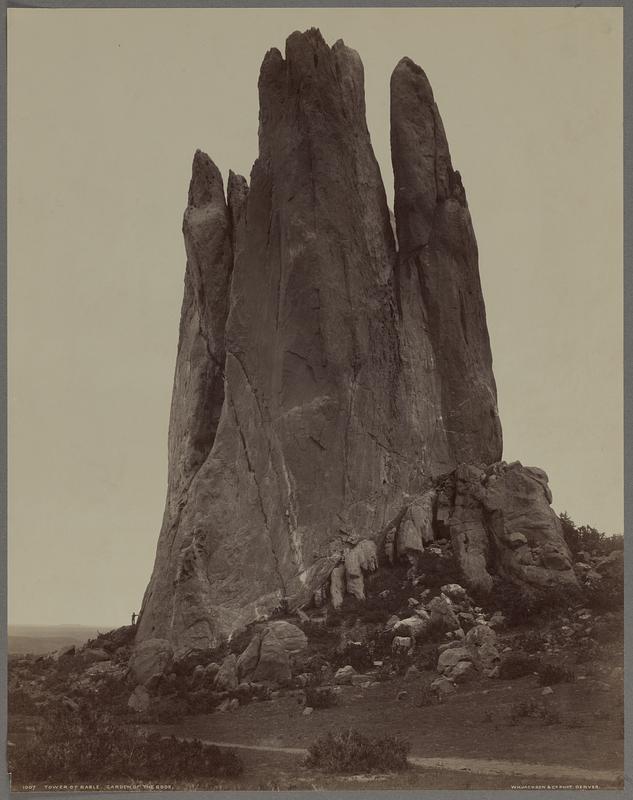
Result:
322,379
438,267
198,394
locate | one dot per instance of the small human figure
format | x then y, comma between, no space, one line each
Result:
134,616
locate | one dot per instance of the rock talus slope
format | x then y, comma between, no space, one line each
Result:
323,378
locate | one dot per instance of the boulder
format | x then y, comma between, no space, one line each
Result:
443,617
95,654
462,672
344,675
150,660
516,539
401,644
454,592
292,638
449,658
415,626
497,620
503,516
337,585
226,678
103,668
186,659
449,645
139,700
212,669
247,661
360,559
488,656
481,634
443,686
274,664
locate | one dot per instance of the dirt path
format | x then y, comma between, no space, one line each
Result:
478,766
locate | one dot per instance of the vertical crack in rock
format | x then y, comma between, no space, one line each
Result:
259,496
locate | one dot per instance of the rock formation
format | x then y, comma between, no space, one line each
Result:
324,377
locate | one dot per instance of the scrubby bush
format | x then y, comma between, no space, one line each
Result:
523,709
530,708
86,746
517,665
360,656
533,642
320,697
317,632
607,594
521,605
351,752
167,710
112,640
551,674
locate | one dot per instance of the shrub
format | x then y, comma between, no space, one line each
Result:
585,538
351,751
85,746
517,665
320,697
530,708
316,632
533,642
607,594
113,640
526,708
551,674
522,605
167,710
360,656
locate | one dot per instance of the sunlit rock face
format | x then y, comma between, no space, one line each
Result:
323,378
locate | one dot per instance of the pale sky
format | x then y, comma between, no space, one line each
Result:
106,108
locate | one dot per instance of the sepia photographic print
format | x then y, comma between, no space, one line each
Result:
319,484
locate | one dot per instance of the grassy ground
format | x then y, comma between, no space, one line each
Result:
474,723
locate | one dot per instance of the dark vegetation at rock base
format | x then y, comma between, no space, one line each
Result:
350,751
83,745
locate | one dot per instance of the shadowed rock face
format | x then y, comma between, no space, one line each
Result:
322,378
439,291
